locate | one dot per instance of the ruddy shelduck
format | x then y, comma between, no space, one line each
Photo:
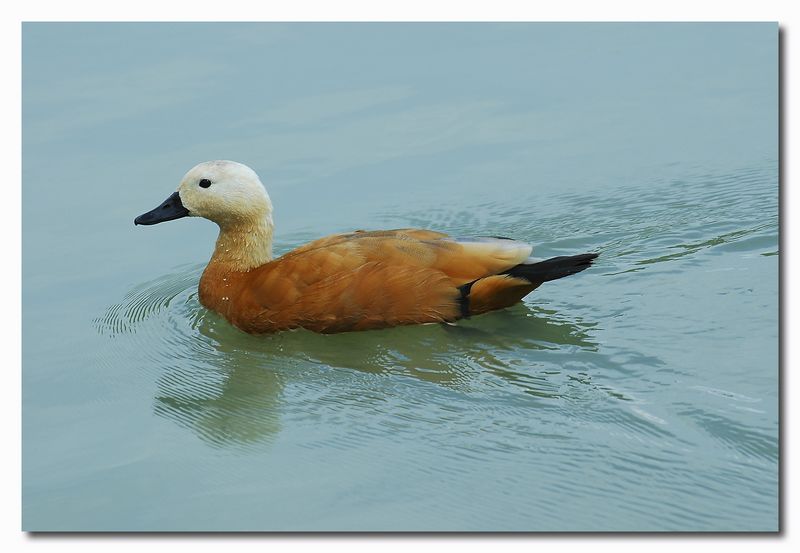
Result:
355,281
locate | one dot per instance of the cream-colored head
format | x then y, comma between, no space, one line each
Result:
226,192
231,195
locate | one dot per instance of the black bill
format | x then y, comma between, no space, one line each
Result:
172,208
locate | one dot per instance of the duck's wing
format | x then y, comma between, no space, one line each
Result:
333,239
462,259
375,279
373,295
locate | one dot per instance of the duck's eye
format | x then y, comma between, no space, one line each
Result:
205,183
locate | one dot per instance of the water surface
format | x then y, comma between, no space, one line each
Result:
639,395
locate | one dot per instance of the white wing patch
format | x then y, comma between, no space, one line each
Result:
531,260
511,251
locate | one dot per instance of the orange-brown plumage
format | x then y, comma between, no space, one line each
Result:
356,281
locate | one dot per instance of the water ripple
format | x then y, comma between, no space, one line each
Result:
540,390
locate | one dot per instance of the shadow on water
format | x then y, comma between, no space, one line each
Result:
226,386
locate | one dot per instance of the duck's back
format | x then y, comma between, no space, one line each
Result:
461,259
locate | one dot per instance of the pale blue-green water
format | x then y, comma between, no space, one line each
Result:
641,394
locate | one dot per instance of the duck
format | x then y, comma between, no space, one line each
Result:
360,280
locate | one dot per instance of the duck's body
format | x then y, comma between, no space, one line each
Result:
356,281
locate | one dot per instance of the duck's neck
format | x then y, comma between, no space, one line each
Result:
242,247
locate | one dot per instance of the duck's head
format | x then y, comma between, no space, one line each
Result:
226,192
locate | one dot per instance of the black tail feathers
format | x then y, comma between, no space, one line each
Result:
553,268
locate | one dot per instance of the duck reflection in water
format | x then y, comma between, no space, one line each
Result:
230,392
